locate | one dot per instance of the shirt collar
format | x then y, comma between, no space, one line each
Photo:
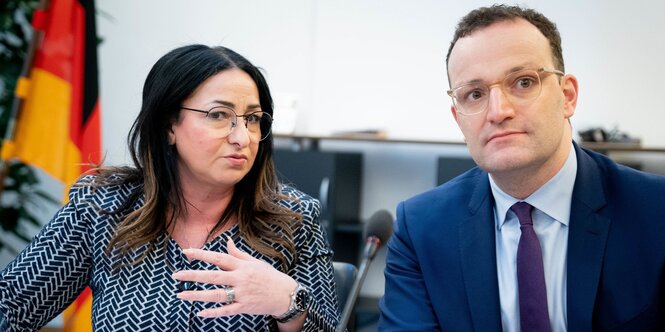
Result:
553,198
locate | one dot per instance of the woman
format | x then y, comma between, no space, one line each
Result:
198,235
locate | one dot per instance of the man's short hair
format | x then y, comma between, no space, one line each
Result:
486,16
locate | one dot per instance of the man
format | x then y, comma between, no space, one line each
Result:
543,235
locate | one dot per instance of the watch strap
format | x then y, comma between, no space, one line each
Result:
298,305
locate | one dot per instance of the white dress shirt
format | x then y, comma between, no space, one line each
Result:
551,215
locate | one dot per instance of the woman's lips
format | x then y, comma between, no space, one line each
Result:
236,159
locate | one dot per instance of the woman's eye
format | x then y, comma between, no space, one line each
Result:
253,118
219,115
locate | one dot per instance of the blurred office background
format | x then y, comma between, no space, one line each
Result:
379,65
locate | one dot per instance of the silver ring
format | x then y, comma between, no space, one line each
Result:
230,294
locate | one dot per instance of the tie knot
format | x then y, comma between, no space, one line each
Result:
523,212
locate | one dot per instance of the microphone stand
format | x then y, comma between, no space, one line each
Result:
371,247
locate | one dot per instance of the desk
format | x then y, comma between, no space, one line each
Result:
630,154
305,142
620,147
312,142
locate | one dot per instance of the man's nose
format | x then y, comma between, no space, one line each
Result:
499,106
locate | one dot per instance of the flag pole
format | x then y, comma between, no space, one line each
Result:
22,88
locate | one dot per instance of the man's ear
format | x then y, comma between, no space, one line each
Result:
570,90
454,113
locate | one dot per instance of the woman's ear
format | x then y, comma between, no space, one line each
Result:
171,134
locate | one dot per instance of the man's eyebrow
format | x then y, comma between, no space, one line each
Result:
507,72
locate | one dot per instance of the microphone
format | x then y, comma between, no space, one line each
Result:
376,232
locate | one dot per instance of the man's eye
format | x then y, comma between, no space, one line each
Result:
524,82
474,95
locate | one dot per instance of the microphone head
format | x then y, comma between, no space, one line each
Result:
380,225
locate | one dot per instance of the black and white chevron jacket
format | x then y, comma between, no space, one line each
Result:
68,255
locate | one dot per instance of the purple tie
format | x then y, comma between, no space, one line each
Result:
530,275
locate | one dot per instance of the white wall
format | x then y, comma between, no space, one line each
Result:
354,64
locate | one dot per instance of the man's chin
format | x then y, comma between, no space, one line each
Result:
502,162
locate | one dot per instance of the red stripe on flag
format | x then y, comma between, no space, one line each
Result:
82,298
55,53
78,63
91,141
39,19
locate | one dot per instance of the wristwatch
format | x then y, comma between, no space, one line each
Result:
298,305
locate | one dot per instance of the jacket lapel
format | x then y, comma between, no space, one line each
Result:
586,243
478,257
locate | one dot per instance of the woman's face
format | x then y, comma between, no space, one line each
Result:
210,158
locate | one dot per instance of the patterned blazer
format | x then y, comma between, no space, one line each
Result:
68,255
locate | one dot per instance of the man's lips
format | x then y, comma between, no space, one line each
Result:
502,134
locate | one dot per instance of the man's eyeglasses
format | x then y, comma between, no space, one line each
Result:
224,119
520,87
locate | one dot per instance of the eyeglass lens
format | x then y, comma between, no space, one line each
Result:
519,87
225,119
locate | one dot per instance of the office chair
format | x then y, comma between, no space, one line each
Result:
345,274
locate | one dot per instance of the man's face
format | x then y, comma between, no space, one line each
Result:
507,137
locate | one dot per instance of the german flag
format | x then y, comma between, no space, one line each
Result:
58,120
58,124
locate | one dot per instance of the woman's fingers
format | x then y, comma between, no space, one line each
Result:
219,295
204,276
258,288
235,252
225,310
226,262
223,261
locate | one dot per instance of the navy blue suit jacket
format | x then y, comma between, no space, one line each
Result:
441,264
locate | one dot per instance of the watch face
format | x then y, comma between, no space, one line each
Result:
302,298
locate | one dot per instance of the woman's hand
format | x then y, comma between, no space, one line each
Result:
258,287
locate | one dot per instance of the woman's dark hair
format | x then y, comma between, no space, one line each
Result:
174,77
